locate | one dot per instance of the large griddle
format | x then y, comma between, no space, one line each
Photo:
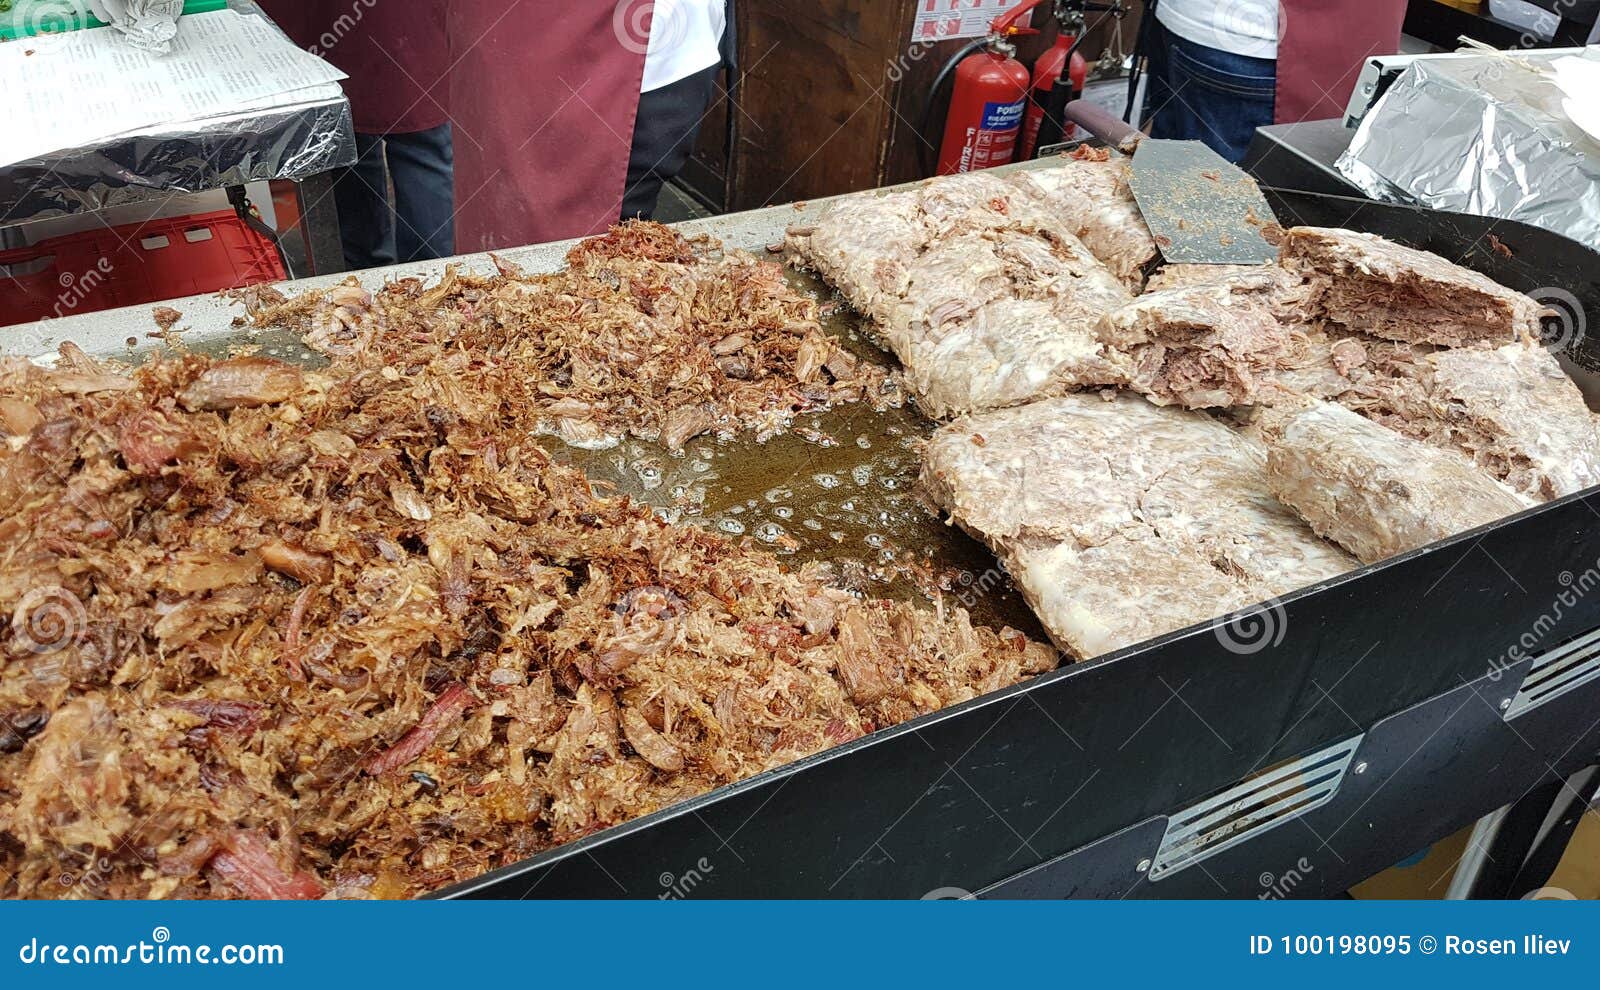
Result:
1325,735
1314,742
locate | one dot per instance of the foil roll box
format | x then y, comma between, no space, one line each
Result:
1487,136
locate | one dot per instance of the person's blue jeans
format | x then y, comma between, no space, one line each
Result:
419,225
1203,94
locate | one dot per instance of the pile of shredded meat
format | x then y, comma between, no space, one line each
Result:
275,632
643,333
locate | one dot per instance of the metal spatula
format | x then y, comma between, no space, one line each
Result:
1201,209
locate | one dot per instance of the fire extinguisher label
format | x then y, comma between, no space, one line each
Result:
995,142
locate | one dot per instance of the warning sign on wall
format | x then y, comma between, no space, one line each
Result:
938,20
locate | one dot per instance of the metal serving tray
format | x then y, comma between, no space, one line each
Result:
1291,750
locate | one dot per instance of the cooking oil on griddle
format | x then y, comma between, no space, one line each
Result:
838,486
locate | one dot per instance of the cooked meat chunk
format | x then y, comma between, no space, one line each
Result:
246,381
165,317
999,318
1094,199
1371,490
1121,520
1512,410
1365,283
987,297
1198,347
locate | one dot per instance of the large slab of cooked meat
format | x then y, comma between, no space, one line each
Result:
1091,193
271,632
1121,520
1206,345
988,297
1511,410
1370,490
1362,282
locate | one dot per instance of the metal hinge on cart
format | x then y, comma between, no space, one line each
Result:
1563,669
1252,807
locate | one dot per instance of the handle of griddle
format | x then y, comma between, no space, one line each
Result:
1104,125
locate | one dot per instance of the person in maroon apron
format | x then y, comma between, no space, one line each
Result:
1219,69
397,57
546,98
1323,46
546,95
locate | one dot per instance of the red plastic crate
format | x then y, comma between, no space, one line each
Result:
134,264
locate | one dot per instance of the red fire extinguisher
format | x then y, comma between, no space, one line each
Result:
986,107
1046,73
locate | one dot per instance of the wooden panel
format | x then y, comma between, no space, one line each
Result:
816,98
705,173
832,96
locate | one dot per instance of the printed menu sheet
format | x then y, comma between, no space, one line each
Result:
76,88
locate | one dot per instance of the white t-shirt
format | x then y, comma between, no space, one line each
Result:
1243,27
685,37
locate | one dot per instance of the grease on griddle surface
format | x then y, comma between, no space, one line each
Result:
838,486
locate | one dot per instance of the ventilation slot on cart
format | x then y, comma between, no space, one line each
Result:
1566,667
1263,802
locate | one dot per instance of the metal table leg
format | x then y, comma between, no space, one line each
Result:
1535,835
309,236
1476,859
1515,850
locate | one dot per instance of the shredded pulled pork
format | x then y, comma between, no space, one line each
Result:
640,334
273,632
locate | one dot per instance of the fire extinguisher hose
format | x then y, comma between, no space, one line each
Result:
925,148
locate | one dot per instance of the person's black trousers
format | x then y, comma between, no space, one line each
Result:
663,136
417,226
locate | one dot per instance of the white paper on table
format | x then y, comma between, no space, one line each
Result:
73,89
1579,79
